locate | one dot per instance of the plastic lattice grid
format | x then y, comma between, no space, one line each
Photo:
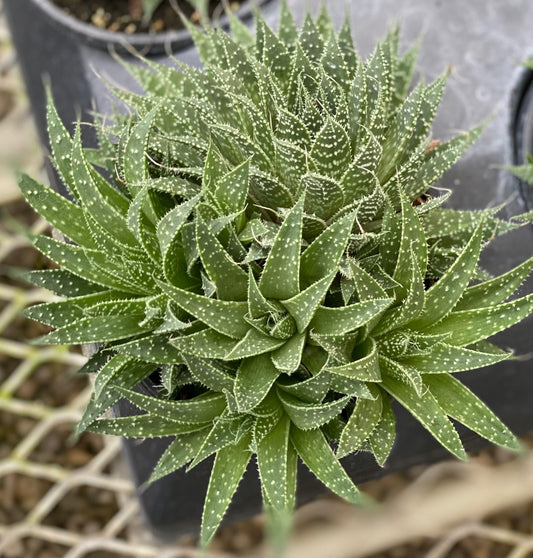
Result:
20,363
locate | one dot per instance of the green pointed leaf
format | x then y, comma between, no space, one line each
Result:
366,286
111,373
288,32
404,72
384,434
310,40
334,63
490,293
135,160
98,329
230,280
323,195
389,247
399,371
180,451
210,373
200,409
364,418
337,321
312,390
400,133
348,289
254,379
346,44
168,235
105,305
254,343
215,168
224,316
444,358
291,162
73,259
236,57
232,189
258,305
150,75
141,226
61,144
203,41
364,366
292,129
272,459
444,294
153,348
316,453
303,306
118,273
269,191
427,411
228,470
469,326
239,31
281,275
308,416
288,357
62,283
65,216
461,404
430,101
225,432
442,223
410,307
440,159
204,344
142,426
129,376
172,377
267,414
55,314
412,238
95,363
523,172
323,255
106,206
331,151
354,388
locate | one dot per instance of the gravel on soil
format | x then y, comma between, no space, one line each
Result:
127,15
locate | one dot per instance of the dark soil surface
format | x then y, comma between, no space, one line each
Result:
127,15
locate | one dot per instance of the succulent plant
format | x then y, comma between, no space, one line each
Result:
260,237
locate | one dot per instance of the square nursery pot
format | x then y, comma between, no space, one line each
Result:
483,41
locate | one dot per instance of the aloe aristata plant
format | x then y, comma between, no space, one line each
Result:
265,244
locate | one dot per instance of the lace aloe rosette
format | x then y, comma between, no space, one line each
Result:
263,241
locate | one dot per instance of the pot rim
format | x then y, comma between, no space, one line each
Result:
144,43
521,129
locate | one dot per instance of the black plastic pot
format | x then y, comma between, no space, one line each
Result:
484,40
523,141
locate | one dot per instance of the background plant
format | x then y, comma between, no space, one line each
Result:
259,238
150,6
